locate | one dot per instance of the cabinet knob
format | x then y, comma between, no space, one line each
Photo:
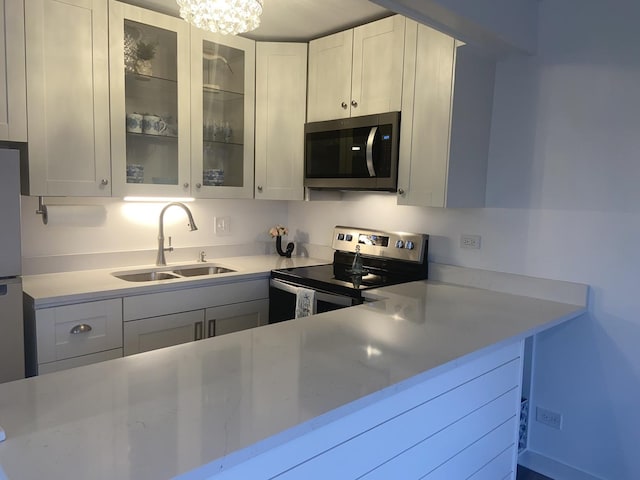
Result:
186,185
344,105
104,181
400,191
198,185
354,104
259,188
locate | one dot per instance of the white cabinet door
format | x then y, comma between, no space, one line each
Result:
68,97
446,118
376,78
222,115
426,113
329,92
357,72
281,81
150,88
159,332
13,94
236,317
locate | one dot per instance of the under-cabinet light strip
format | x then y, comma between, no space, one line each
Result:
159,199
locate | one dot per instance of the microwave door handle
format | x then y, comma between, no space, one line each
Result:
372,137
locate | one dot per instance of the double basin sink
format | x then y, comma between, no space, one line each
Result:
171,273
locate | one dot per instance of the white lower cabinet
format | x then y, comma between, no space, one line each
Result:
164,331
236,317
73,335
159,320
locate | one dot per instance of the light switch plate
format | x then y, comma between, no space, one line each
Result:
222,225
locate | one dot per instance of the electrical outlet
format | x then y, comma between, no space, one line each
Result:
222,225
470,241
549,418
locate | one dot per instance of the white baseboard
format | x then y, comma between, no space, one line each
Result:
552,468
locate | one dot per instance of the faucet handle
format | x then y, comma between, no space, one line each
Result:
169,248
202,256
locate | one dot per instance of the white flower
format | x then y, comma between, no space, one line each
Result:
278,231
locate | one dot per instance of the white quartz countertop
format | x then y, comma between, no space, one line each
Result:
51,289
213,403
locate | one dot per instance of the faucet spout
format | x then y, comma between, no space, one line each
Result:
160,259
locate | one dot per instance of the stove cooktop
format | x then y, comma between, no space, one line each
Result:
390,258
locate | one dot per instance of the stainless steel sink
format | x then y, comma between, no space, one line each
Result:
145,276
171,273
205,270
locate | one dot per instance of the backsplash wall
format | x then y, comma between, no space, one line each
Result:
133,227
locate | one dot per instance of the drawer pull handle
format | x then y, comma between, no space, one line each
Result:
211,328
82,328
198,331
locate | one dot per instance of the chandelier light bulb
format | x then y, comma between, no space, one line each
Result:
222,16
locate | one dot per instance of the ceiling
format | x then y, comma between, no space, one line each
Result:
296,20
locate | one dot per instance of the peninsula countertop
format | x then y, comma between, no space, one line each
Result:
218,401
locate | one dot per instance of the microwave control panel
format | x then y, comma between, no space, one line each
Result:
397,245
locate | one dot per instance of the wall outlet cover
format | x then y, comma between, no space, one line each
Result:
549,418
470,241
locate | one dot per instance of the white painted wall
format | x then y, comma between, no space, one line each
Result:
131,226
564,203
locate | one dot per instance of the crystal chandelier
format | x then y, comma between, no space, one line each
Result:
223,16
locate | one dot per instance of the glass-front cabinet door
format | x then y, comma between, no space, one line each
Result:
149,72
222,115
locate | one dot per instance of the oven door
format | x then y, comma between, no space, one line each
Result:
282,301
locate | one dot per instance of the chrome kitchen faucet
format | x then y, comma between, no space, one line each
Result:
160,260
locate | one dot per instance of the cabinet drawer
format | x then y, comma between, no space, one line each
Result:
74,330
164,303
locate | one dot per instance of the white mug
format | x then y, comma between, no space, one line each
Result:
153,125
134,123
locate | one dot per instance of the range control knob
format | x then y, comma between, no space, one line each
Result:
348,237
409,245
341,236
399,244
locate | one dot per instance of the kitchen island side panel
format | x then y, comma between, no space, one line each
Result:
455,423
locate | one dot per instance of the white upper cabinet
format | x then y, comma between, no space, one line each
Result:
446,118
68,97
357,72
150,88
13,94
222,115
281,81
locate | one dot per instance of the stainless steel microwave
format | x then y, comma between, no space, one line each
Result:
359,153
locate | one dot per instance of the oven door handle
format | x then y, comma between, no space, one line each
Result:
341,300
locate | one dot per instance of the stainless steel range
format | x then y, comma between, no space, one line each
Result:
363,259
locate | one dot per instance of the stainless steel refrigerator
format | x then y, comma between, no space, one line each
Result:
11,322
